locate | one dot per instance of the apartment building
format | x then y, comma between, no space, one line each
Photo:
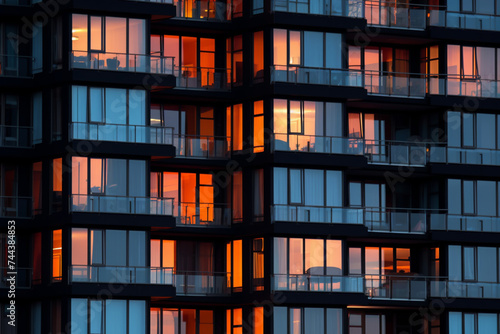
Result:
250,166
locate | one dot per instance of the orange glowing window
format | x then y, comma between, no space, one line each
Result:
258,264
238,196
168,254
295,48
228,127
228,266
258,320
237,264
37,186
155,253
280,117
57,255
258,55
355,128
79,183
206,322
258,126
79,32
57,175
79,246
280,46
237,127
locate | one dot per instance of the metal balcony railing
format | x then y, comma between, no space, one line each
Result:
345,8
391,14
389,220
203,214
122,204
201,10
16,66
465,223
316,76
461,155
317,144
445,288
396,287
16,136
16,206
125,62
122,133
318,283
201,283
125,275
458,20
203,78
190,146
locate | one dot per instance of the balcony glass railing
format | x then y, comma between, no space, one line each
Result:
456,289
459,155
316,214
190,146
317,144
122,62
466,85
319,283
15,136
410,153
396,287
390,220
16,66
203,78
22,277
15,207
201,283
395,84
125,275
203,214
451,222
316,76
122,204
201,10
393,15
346,8
398,220
450,19
122,133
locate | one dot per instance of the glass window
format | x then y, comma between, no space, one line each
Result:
314,257
237,264
314,187
280,117
295,48
116,108
469,323
354,261
116,316
79,315
355,194
314,320
79,241
296,256
313,49
487,323
453,125
258,320
485,130
237,136
455,322
469,262
137,249
116,36
79,104
454,196
486,198
469,197
334,188
372,261
487,264
95,33
280,255
258,55
455,263
258,127
116,249
96,249
333,321
468,130
333,54
79,33
296,186
57,255
137,34
334,257
137,316
137,178
258,193
96,105
280,319
295,321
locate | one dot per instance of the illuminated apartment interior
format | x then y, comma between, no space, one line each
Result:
250,166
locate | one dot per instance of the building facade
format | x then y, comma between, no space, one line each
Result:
250,167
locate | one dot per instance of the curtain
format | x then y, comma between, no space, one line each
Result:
333,321
314,320
78,315
137,178
116,316
137,249
280,186
170,321
280,255
116,248
487,323
137,316
314,187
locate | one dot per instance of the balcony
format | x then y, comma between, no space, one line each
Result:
22,277
444,288
462,223
15,207
122,62
316,144
388,220
16,66
201,10
201,283
125,275
122,133
188,146
203,214
205,78
122,204
345,8
317,283
396,287
457,20
316,76
15,136
391,152
463,85
459,155
389,15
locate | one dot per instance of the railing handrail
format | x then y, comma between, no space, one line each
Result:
127,125
17,126
125,267
471,215
17,197
188,136
467,13
123,54
202,68
204,273
363,139
121,196
403,5
360,208
475,149
200,203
